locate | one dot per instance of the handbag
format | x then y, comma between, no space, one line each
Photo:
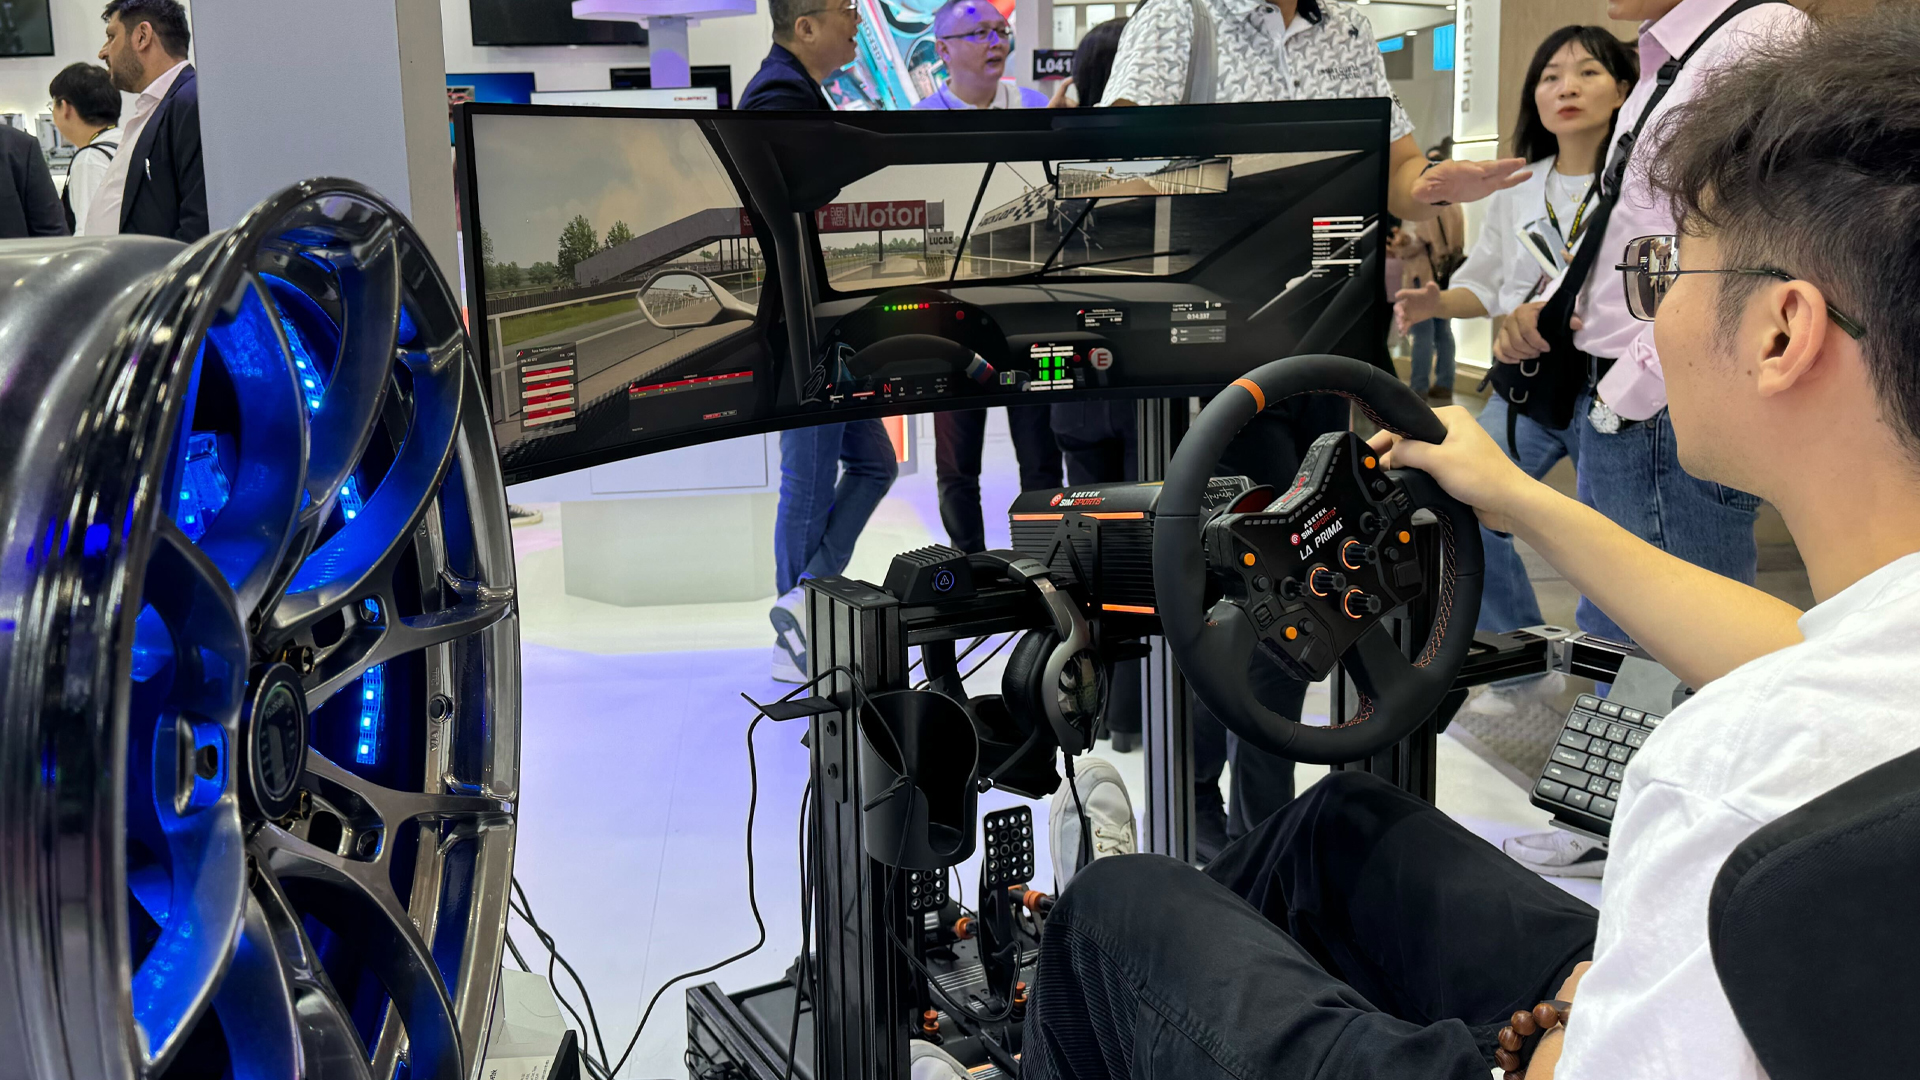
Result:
1546,388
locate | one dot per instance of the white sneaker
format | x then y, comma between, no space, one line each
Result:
928,1062
522,515
789,615
1103,795
784,669
1558,854
1504,701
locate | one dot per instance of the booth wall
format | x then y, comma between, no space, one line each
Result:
740,42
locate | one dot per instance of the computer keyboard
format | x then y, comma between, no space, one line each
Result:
1581,782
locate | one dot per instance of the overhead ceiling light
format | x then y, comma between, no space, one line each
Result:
1413,33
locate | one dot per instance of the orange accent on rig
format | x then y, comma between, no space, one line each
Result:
1038,517
1118,515
1259,395
1129,609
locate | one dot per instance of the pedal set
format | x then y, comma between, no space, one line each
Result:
1008,859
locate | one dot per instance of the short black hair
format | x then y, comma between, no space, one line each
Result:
168,18
89,89
1531,139
1093,60
1805,158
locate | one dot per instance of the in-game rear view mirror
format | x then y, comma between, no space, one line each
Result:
640,280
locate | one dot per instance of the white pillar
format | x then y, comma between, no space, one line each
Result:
667,53
357,90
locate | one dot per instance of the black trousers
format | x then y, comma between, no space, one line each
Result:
1358,933
957,441
1100,441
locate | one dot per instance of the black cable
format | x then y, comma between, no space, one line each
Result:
964,653
524,909
1004,642
515,950
954,1008
800,981
1086,832
753,903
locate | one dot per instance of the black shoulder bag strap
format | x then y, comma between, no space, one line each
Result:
1547,387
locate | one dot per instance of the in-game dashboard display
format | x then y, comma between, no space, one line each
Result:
640,280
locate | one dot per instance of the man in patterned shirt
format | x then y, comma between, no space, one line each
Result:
1291,50
1279,50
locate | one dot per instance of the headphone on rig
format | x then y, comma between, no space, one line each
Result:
1054,672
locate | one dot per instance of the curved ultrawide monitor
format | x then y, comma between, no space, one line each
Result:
642,280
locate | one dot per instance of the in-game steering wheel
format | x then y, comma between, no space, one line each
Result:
1309,579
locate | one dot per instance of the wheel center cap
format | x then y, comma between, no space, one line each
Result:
275,733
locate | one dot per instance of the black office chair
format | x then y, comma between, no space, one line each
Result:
1815,928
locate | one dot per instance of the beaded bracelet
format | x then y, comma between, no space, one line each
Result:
1517,1039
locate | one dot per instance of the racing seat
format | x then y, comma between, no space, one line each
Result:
1812,922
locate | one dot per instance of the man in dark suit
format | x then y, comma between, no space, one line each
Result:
811,40
157,186
29,206
832,476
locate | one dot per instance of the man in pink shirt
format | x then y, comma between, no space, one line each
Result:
1628,467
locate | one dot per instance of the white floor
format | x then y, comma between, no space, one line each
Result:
635,788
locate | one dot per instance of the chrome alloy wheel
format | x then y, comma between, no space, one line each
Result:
259,663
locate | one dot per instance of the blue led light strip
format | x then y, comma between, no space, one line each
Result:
373,700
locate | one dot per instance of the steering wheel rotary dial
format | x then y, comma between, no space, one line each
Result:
1309,579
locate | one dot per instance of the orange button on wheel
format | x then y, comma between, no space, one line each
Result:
1292,632
1247,558
1368,461
1405,536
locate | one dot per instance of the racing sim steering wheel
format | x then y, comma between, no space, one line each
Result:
1308,579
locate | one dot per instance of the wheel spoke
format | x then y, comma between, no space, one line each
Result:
344,423
330,1046
196,734
364,552
354,900
368,805
248,536
256,1002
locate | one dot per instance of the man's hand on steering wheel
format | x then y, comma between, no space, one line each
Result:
1468,465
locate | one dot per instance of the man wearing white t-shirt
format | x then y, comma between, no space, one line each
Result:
973,41
1361,932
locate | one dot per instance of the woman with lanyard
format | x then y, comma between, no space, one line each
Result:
1579,78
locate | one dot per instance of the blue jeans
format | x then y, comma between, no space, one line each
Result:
1634,477
1434,335
1507,601
818,519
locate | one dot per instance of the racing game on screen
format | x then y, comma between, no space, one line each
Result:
626,301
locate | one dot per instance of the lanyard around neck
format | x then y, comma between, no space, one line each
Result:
1579,216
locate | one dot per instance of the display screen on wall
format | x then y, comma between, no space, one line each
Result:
501,87
717,76
545,22
25,28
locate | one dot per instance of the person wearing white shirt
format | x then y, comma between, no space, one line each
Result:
86,110
156,184
1628,467
973,41
1364,932
1574,88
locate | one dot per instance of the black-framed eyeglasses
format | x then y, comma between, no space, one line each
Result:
984,35
1652,263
